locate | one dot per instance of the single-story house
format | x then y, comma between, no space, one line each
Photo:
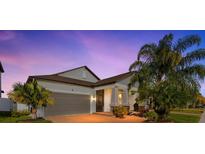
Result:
80,90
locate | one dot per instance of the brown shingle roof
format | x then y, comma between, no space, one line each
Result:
57,78
1,68
113,79
62,79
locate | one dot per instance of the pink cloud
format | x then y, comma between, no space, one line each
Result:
108,55
19,66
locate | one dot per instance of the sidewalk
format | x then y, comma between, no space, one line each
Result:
202,120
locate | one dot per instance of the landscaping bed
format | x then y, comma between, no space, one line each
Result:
19,117
22,119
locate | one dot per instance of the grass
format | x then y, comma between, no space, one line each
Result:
184,118
22,119
194,111
185,115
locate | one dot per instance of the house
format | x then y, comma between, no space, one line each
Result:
5,104
1,71
80,90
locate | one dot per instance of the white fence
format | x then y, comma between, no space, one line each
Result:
5,104
23,107
8,105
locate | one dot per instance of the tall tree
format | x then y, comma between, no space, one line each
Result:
167,73
32,94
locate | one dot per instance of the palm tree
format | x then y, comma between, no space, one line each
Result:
168,75
32,94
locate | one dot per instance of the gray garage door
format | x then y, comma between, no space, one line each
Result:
68,104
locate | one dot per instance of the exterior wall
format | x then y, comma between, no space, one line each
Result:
40,112
0,84
21,107
68,88
132,100
5,104
107,99
125,81
65,88
78,74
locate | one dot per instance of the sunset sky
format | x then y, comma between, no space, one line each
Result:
106,53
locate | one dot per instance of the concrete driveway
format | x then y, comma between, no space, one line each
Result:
94,118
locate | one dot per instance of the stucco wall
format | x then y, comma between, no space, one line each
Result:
78,74
21,107
132,100
127,81
65,88
107,99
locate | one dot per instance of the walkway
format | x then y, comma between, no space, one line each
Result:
202,120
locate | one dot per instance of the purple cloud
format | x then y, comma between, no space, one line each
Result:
7,35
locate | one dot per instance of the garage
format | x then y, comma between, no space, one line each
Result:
68,104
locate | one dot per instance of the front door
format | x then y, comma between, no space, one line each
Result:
100,101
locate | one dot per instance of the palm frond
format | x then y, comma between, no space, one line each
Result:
197,70
134,65
166,42
147,51
191,57
186,42
31,93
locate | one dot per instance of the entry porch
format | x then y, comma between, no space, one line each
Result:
106,97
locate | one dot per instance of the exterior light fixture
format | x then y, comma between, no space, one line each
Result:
120,96
92,98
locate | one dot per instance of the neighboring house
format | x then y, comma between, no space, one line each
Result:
79,91
5,104
1,71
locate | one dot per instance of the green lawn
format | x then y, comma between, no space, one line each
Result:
191,110
184,118
21,119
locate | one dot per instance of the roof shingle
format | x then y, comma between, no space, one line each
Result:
113,79
67,80
57,78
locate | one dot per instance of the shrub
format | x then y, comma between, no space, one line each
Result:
20,113
136,107
120,111
5,113
151,116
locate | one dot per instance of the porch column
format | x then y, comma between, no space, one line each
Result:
125,98
114,97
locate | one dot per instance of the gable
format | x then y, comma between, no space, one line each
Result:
81,73
126,81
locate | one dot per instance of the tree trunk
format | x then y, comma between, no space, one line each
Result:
34,113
